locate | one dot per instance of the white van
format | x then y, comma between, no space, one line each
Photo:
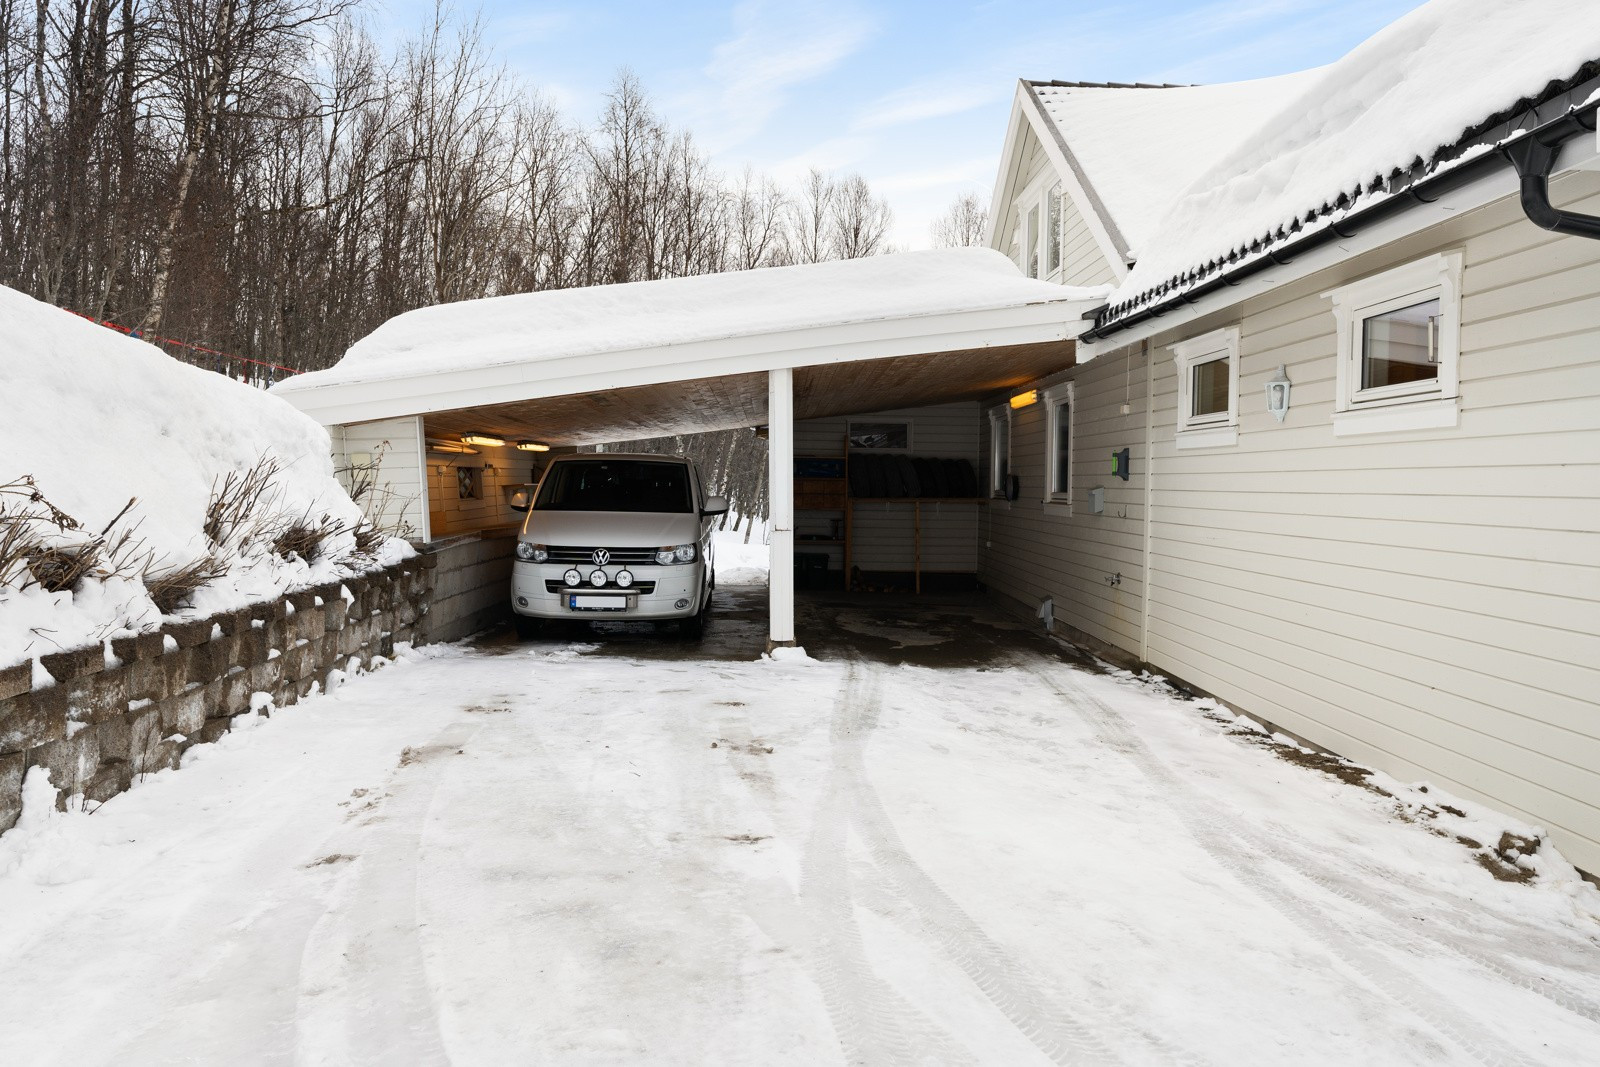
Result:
616,537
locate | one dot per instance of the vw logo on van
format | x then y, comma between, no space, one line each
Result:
601,557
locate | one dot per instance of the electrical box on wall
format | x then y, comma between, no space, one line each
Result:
1119,463
1097,500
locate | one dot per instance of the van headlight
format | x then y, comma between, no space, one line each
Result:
675,554
532,553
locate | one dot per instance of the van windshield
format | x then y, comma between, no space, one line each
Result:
616,485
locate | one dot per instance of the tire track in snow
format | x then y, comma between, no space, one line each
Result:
1216,834
873,1023
364,991
1002,981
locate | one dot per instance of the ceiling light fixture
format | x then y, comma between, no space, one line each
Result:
532,446
483,439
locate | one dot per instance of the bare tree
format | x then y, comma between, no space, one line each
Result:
962,225
858,222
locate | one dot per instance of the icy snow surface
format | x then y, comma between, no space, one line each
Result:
553,856
738,563
1411,89
96,418
474,334
1140,147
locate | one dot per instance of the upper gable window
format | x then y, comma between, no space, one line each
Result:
1041,233
1208,389
1399,348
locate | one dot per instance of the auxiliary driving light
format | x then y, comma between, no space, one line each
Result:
624,578
572,577
597,578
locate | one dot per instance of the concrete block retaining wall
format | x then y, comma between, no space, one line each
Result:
106,721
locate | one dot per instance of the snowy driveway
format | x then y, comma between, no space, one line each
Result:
559,854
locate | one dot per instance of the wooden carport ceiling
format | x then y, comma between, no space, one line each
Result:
724,403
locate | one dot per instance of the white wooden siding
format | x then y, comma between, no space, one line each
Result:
1037,550
882,537
1427,601
450,513
397,499
1082,261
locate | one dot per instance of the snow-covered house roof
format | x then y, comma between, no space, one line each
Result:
1135,147
561,342
1429,92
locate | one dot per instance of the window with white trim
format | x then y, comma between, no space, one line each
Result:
1039,230
999,450
1058,444
1399,348
1208,389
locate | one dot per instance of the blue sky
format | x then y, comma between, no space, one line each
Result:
913,95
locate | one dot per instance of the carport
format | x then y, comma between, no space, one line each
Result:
567,368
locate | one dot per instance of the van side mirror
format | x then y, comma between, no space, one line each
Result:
520,499
715,505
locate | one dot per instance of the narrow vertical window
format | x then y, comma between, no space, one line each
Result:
1053,237
1058,444
1032,236
999,450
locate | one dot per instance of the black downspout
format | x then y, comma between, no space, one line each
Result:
1535,157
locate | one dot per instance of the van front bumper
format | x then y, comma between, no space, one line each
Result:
539,591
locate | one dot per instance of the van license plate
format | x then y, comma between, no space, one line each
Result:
581,602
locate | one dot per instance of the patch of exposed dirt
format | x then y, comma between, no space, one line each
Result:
329,860
484,709
747,839
753,747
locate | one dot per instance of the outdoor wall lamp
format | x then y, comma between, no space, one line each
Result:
1022,400
1278,394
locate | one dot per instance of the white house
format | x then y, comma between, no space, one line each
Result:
1291,391
1401,564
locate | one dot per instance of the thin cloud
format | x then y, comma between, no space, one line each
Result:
775,48
919,103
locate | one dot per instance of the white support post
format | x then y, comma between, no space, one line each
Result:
780,482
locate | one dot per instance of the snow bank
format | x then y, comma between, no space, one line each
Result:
474,334
737,562
1413,88
97,418
1129,167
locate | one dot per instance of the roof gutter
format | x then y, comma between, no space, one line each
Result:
1539,148
1535,157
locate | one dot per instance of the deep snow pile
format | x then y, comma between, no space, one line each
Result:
96,418
1413,88
741,562
560,323
1131,171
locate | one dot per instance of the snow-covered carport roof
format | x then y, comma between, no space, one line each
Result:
684,355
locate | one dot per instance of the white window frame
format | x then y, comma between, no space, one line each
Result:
1217,429
1035,240
1053,399
999,417
1433,404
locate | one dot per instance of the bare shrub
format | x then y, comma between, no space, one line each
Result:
51,546
175,587
305,538
238,501
368,538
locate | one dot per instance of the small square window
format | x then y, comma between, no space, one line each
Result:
1399,341
1208,389
1401,347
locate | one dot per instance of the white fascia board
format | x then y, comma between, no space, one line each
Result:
1089,206
1005,182
449,389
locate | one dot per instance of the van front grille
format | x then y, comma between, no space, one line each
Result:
631,557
